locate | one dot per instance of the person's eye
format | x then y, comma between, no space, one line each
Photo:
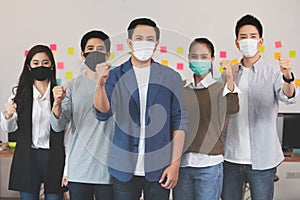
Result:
194,57
90,48
100,48
204,58
46,63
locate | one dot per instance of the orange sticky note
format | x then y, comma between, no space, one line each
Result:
179,66
221,69
71,50
277,55
60,65
179,50
262,49
235,61
112,56
53,47
69,75
292,54
278,44
297,82
223,54
164,62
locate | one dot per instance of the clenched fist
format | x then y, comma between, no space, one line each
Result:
59,93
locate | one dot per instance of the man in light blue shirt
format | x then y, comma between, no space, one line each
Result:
252,147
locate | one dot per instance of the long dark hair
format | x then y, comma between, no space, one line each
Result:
26,80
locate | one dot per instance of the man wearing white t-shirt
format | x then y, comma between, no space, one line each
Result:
252,148
146,100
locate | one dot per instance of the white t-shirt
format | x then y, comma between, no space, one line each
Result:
237,143
142,77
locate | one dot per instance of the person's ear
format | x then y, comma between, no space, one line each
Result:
156,45
260,42
237,44
212,59
82,55
130,44
107,56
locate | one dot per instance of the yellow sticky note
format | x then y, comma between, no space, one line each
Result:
221,69
292,54
297,82
164,62
69,75
179,50
112,56
71,50
53,52
235,61
277,55
262,49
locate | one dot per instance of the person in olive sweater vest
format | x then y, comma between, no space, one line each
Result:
208,103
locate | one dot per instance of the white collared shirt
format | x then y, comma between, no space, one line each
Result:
41,110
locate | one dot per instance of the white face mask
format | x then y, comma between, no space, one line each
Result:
143,50
248,47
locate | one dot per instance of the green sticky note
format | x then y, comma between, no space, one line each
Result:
262,49
71,50
58,81
292,54
179,50
112,56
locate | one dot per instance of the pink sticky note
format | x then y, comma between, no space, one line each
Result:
179,66
53,47
60,65
278,44
163,49
223,54
120,47
26,53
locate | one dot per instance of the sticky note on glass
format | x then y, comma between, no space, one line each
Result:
53,47
112,56
120,47
221,69
297,82
223,54
179,66
69,75
53,53
163,49
292,54
60,65
71,50
26,53
278,44
235,61
277,55
179,50
262,49
58,81
164,62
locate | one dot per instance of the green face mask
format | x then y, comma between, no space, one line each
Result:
200,67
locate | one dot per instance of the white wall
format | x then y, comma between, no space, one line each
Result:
25,23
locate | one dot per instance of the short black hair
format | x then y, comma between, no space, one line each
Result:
142,21
95,34
205,41
248,20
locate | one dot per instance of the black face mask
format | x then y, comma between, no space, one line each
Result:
41,73
93,58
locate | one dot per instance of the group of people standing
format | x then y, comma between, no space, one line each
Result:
139,129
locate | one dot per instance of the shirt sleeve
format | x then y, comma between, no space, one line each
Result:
9,125
227,91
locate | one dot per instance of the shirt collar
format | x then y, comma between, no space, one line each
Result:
204,83
255,66
37,94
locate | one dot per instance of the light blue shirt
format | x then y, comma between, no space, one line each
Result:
264,92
